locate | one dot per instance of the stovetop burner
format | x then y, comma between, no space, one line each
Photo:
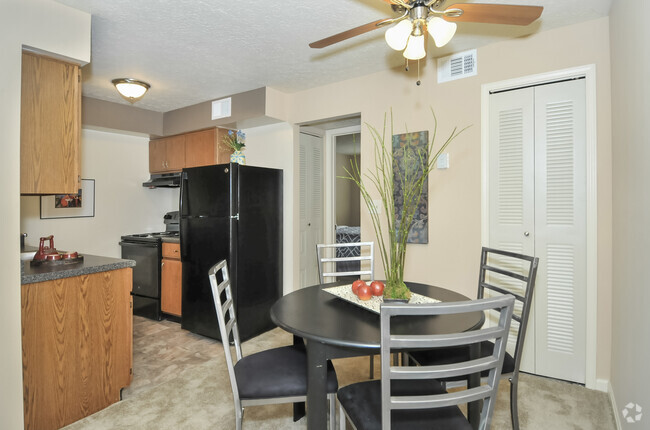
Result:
150,237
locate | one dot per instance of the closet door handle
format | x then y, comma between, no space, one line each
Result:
526,234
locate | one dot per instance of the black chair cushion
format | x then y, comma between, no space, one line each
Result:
278,372
362,403
452,355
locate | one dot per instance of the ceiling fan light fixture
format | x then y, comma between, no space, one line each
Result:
415,48
441,31
131,89
397,36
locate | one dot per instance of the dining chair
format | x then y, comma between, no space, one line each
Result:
272,376
410,397
501,272
353,259
339,260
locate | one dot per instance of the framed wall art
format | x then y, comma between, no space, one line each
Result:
81,204
411,162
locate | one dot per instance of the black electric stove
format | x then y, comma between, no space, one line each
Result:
146,250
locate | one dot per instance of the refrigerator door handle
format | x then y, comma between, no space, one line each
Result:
182,204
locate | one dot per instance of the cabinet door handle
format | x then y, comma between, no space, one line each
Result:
162,264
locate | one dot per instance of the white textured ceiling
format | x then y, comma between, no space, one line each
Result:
191,51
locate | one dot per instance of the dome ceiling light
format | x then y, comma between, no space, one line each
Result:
131,89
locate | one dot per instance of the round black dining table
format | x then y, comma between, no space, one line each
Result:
334,328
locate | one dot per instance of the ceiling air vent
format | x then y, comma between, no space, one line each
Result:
457,66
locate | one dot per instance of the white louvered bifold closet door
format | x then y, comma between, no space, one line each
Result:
311,206
537,205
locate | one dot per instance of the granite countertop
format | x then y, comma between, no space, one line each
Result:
171,239
91,264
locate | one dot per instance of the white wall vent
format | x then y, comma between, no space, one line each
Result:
221,108
457,66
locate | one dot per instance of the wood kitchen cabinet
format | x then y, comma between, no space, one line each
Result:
197,148
167,154
77,336
204,148
50,126
171,288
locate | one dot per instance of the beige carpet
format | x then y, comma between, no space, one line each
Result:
199,397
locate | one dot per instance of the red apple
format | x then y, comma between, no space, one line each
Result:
377,288
356,284
364,292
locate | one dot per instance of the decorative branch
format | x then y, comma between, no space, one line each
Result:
392,242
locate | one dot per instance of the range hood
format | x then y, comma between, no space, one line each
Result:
164,180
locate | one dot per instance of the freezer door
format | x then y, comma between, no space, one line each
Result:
205,243
205,191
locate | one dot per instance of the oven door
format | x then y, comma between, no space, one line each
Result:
146,277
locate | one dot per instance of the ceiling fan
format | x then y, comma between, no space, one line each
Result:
417,17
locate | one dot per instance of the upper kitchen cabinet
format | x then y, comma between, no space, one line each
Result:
203,148
167,154
197,148
50,126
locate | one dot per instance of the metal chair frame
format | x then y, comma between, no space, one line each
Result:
227,327
398,342
528,280
324,260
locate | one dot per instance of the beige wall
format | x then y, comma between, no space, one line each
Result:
119,164
631,209
55,28
451,257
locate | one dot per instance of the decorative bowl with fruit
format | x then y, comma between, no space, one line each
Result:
370,295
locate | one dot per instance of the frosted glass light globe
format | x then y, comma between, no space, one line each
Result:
397,36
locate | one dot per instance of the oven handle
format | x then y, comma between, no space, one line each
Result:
141,244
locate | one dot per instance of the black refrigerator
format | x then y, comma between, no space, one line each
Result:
232,212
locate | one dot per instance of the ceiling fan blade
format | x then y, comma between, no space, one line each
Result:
495,13
348,34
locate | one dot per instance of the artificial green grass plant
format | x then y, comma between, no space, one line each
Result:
392,241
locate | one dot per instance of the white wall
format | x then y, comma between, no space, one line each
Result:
55,28
119,164
272,146
630,34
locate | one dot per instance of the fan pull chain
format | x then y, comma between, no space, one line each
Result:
418,81
406,63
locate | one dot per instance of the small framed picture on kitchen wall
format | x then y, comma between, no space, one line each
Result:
81,204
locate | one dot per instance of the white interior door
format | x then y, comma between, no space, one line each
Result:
537,205
311,205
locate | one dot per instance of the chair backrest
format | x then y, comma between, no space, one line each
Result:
504,272
345,259
392,342
223,303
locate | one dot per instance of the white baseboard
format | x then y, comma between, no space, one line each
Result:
612,400
602,385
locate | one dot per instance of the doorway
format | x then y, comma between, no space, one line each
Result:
538,158
317,160
342,197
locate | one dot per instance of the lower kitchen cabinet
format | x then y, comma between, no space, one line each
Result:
171,279
77,336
